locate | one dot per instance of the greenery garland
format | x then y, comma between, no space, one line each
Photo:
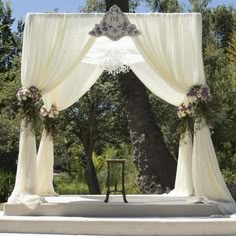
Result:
29,102
49,120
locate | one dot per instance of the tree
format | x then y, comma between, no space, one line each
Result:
231,52
97,119
155,164
7,40
164,5
10,45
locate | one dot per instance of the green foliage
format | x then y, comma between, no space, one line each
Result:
231,53
10,47
50,125
66,185
100,6
164,5
169,125
94,6
7,181
199,5
229,176
124,151
222,21
100,109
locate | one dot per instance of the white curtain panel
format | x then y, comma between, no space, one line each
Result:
63,96
44,184
156,84
183,180
207,178
25,185
172,45
53,46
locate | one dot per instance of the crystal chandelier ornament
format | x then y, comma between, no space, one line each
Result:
115,62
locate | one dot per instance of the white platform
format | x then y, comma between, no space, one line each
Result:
143,215
118,226
137,206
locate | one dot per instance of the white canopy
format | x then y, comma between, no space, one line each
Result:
62,60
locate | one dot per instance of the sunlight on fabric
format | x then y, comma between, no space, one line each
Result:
103,46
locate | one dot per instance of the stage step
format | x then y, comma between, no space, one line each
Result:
118,226
137,206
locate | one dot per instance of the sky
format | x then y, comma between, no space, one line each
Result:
22,7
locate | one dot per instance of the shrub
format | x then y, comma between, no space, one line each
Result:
7,181
124,151
65,185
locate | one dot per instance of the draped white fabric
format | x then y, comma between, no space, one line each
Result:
55,49
183,180
173,52
207,178
155,84
26,176
63,96
53,46
171,44
45,163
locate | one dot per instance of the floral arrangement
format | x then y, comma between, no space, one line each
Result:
25,95
184,111
195,108
198,97
199,93
53,113
29,101
49,120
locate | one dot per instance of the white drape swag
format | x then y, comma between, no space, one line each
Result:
63,96
171,62
172,45
206,168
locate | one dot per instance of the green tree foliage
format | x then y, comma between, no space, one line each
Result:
96,120
222,21
231,53
164,5
10,44
100,6
10,47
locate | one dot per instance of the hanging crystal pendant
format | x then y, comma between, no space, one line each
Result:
113,62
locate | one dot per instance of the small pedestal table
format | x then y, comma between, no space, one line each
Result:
111,162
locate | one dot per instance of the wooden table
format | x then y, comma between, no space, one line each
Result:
114,162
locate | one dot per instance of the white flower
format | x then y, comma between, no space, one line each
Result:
44,113
24,97
189,112
51,115
199,95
